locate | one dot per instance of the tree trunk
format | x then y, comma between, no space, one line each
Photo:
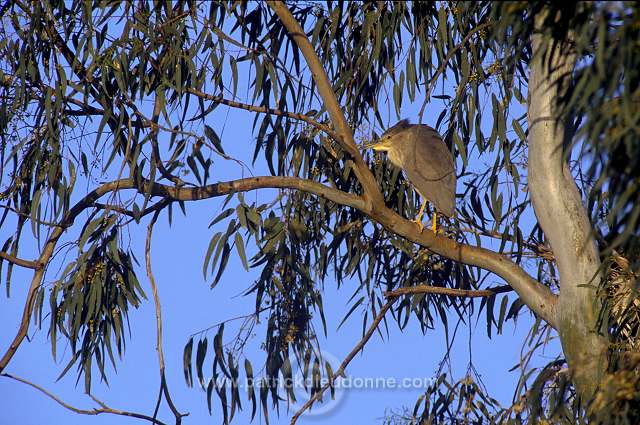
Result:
561,214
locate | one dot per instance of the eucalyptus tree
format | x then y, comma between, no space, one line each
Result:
539,104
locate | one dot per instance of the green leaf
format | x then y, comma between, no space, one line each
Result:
186,362
213,138
351,310
207,257
240,249
200,355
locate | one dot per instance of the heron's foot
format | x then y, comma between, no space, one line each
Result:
434,225
418,221
435,229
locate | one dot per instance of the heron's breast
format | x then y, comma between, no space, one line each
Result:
395,157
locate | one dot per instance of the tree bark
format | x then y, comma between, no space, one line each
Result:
562,216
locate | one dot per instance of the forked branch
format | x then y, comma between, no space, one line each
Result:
95,411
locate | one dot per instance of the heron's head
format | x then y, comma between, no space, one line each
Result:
387,141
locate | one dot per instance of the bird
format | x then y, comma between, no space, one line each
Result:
427,163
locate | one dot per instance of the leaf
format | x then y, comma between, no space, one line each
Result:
250,386
519,131
200,356
351,310
240,249
224,214
213,138
207,257
186,362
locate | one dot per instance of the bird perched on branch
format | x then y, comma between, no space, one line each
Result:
427,162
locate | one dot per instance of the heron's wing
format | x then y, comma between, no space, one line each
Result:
430,167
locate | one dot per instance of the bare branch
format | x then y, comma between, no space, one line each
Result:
44,258
454,292
561,214
103,407
340,372
164,388
19,261
325,89
538,297
393,296
264,110
171,193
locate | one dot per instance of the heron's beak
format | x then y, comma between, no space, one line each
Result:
376,146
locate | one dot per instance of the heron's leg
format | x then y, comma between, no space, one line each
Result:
434,222
418,219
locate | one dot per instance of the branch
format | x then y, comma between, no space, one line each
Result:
538,249
454,292
121,210
44,258
264,110
538,297
170,193
20,262
559,209
325,89
156,300
393,296
340,372
103,407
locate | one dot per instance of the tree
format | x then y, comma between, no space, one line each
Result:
561,194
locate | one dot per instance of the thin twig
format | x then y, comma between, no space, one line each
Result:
340,372
393,296
156,300
103,407
538,248
454,292
244,316
28,216
266,110
155,150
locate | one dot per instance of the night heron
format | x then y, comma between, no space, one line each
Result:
427,162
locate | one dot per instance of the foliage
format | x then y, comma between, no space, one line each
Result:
77,79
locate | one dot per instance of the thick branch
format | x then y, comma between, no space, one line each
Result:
19,261
325,89
536,296
560,212
454,292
